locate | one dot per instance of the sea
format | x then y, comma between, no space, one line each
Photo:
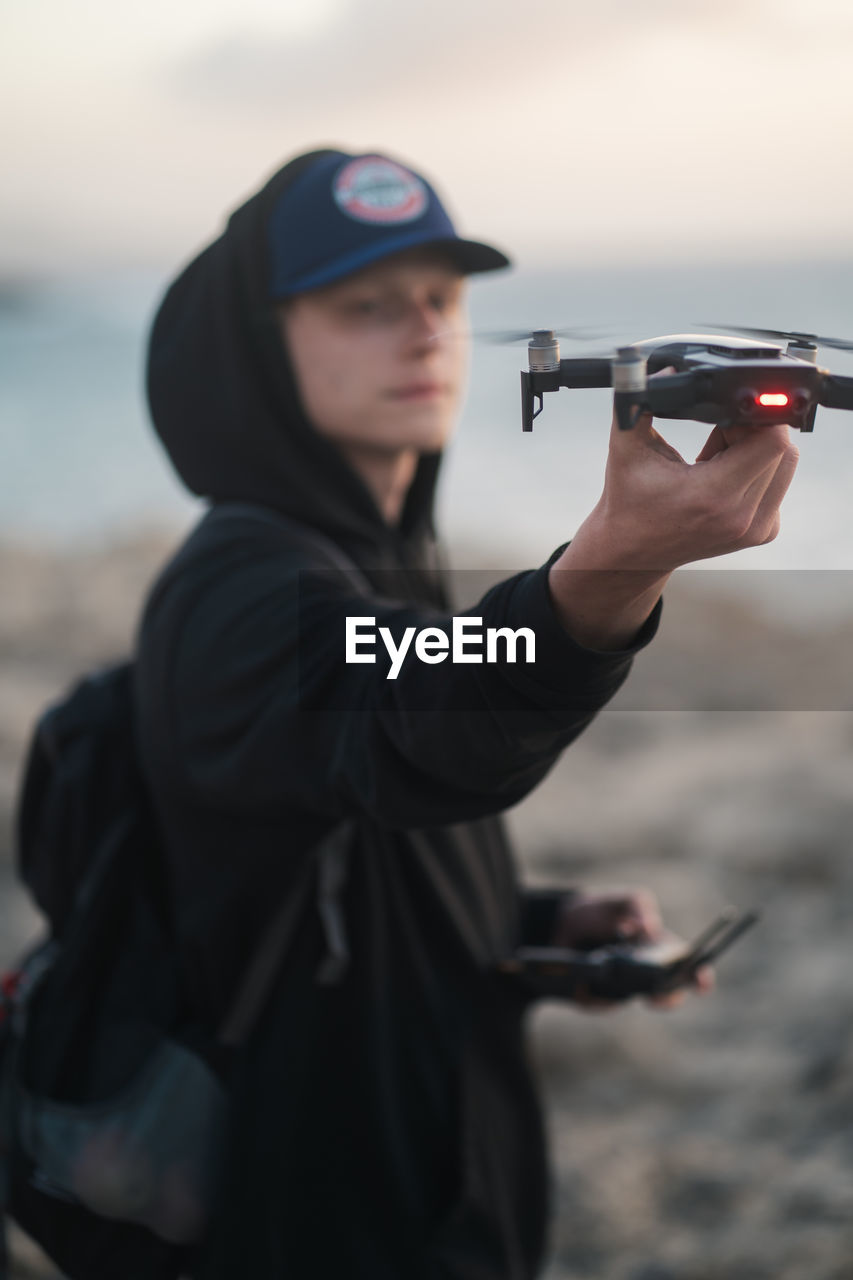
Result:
80,464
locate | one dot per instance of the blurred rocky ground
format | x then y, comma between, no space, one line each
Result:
712,1142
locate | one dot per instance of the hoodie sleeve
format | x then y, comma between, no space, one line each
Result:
538,910
267,715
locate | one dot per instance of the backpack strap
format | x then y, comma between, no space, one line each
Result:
332,855
256,987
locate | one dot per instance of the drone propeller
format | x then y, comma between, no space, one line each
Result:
786,335
506,337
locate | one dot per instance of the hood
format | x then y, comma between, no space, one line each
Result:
224,402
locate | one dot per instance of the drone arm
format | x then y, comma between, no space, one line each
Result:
837,392
594,372
669,395
571,373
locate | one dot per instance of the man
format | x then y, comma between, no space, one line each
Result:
308,363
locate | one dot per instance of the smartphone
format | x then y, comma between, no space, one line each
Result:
620,971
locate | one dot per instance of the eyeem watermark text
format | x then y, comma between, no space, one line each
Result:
433,645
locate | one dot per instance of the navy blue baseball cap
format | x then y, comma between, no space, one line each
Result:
345,212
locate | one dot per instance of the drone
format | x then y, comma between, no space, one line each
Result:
728,380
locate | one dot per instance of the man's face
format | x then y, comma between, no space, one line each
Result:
380,357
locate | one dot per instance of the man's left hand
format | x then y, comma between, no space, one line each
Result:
628,917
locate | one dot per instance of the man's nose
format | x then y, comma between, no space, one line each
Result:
426,324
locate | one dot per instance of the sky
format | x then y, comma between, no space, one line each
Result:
616,131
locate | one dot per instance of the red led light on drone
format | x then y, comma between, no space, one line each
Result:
769,398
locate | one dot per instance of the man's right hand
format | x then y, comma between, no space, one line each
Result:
658,512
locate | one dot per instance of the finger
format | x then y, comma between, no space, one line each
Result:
672,1000
768,494
704,979
655,438
701,982
638,917
643,424
748,459
625,914
643,437
722,438
715,444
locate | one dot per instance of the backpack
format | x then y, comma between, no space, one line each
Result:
84,843
113,1105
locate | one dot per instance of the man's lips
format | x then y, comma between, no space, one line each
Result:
418,391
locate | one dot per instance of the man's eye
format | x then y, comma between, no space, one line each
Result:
442,301
377,308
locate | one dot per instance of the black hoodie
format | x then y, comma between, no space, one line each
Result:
387,1128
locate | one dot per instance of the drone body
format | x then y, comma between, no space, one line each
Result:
726,380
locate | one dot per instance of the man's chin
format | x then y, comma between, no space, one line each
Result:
420,428
427,432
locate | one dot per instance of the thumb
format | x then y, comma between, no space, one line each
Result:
642,440
642,434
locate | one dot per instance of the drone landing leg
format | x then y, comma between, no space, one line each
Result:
529,397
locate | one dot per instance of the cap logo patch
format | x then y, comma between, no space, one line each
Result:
375,190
